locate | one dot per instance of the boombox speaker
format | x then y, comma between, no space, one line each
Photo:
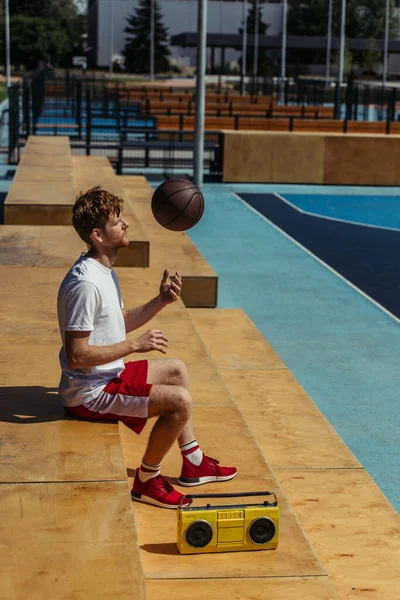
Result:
227,528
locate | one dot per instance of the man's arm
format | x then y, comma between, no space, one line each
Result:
169,292
81,355
136,317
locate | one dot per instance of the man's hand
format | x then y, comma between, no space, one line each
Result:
153,339
170,290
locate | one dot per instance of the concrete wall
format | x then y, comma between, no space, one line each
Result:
319,158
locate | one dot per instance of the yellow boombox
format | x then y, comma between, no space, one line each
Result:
227,528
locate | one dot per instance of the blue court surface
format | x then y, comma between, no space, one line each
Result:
325,293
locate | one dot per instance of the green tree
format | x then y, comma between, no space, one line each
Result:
372,16
43,30
310,17
265,64
137,47
348,62
47,9
364,19
371,56
35,39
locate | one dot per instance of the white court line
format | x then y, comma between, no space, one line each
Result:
315,257
310,214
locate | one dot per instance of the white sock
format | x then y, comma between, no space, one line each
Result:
192,452
147,471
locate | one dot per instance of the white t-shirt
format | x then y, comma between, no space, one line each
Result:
89,299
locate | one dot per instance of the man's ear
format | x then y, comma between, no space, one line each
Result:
97,235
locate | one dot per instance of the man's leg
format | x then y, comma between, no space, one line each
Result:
172,405
197,468
172,372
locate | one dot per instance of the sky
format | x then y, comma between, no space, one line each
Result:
82,5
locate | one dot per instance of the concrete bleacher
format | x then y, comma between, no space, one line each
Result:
310,157
351,525
222,432
66,519
171,248
42,189
49,238
90,171
41,196
68,526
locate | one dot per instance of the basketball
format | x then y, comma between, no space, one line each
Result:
177,204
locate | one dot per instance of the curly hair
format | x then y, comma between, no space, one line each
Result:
92,209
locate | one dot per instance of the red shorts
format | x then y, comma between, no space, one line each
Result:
124,398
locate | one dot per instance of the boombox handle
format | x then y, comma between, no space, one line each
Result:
232,495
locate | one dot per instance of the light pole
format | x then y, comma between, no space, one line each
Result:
244,48
341,60
329,43
111,48
255,56
385,52
200,91
283,55
7,19
152,11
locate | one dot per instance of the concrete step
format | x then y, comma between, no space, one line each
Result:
223,433
69,540
90,171
42,192
57,246
66,521
335,499
172,249
45,186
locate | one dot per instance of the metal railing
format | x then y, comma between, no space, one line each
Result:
167,150
100,115
14,110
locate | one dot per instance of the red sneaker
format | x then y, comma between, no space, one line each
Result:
158,491
208,471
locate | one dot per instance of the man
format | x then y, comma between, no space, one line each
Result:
96,383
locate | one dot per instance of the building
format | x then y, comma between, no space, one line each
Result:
107,19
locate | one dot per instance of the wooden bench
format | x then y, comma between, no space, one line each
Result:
299,110
328,125
157,107
188,122
56,126
182,98
258,124
242,122
366,127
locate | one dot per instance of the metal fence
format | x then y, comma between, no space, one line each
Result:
4,127
14,113
104,117
167,150
354,98
99,118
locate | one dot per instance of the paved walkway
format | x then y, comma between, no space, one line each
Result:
343,349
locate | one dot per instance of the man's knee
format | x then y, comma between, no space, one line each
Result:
178,372
182,404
